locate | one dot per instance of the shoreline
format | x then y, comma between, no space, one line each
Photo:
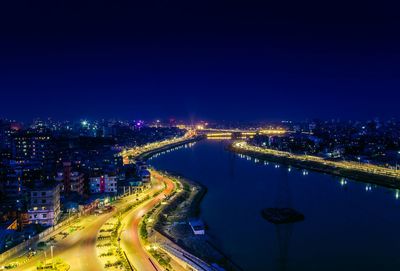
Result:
194,210
202,247
146,155
385,181
227,263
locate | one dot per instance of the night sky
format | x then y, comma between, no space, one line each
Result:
217,60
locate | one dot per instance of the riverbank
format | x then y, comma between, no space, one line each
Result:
172,220
147,154
323,167
172,223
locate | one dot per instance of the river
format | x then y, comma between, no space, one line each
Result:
348,225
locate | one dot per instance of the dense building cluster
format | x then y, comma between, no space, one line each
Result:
374,142
51,169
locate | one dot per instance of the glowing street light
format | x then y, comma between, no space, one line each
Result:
52,256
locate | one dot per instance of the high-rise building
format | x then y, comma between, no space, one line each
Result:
67,177
28,146
71,181
7,131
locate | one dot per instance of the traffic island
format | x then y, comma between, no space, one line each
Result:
57,264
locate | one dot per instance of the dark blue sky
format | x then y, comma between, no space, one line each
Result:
233,60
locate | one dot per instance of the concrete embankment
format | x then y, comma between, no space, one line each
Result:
353,174
184,206
146,155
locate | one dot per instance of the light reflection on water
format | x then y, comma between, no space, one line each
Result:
348,224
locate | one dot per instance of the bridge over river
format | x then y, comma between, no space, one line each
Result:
238,133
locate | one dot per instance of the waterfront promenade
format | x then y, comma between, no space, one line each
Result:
130,154
355,170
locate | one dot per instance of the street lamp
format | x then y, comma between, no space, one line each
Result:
52,258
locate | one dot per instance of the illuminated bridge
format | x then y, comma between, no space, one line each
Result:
237,133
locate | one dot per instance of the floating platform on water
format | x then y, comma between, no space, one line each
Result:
282,215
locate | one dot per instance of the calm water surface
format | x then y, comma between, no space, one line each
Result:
348,225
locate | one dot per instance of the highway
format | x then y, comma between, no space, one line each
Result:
130,239
70,249
78,249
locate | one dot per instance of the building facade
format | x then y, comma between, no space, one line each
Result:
103,184
71,181
44,207
145,176
28,146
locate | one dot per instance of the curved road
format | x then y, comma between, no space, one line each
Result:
72,247
79,248
130,239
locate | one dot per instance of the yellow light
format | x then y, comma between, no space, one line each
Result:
273,131
219,134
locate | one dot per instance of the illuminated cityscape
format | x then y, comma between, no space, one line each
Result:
199,136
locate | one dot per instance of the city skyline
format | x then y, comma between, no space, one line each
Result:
176,135
114,192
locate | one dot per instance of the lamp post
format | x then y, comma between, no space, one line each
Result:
52,258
